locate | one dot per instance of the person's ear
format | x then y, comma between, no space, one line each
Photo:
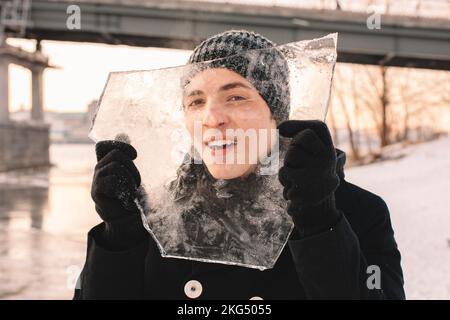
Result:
273,123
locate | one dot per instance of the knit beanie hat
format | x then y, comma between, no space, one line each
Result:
266,68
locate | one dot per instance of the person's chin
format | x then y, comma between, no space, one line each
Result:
228,172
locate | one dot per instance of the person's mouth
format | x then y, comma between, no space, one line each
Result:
220,146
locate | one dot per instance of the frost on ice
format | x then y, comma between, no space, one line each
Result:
189,213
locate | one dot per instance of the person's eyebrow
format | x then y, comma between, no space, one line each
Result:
225,87
233,85
194,93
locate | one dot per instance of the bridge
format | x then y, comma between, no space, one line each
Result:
404,41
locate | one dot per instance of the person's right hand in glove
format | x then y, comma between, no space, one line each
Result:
309,175
114,190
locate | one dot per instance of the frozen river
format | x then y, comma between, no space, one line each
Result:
45,215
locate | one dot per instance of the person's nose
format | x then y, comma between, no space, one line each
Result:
214,116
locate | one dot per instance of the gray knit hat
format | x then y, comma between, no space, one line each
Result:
266,68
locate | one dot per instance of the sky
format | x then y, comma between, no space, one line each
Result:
82,70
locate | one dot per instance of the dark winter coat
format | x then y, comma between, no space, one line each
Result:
330,265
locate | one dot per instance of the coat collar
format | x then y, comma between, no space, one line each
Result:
340,162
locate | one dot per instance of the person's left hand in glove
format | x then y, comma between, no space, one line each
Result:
309,176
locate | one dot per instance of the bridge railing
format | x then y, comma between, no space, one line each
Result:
14,15
414,8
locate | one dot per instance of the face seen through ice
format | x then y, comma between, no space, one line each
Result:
230,124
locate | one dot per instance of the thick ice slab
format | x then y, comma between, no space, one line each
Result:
190,212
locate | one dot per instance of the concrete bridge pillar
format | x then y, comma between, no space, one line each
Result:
37,110
23,144
4,90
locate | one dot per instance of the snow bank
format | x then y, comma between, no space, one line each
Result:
416,190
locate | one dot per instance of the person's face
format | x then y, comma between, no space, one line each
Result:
230,123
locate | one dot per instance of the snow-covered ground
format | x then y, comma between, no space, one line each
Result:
416,188
44,218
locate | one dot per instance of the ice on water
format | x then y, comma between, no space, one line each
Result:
190,214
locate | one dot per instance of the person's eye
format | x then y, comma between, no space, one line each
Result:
196,103
236,98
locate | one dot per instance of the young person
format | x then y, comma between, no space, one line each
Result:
339,229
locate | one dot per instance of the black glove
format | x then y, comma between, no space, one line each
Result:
309,175
114,189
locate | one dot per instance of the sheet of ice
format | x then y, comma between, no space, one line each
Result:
189,213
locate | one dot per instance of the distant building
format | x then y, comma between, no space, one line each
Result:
65,127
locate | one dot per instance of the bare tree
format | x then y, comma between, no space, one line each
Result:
341,98
382,104
413,97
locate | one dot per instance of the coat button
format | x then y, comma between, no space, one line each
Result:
193,289
256,298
